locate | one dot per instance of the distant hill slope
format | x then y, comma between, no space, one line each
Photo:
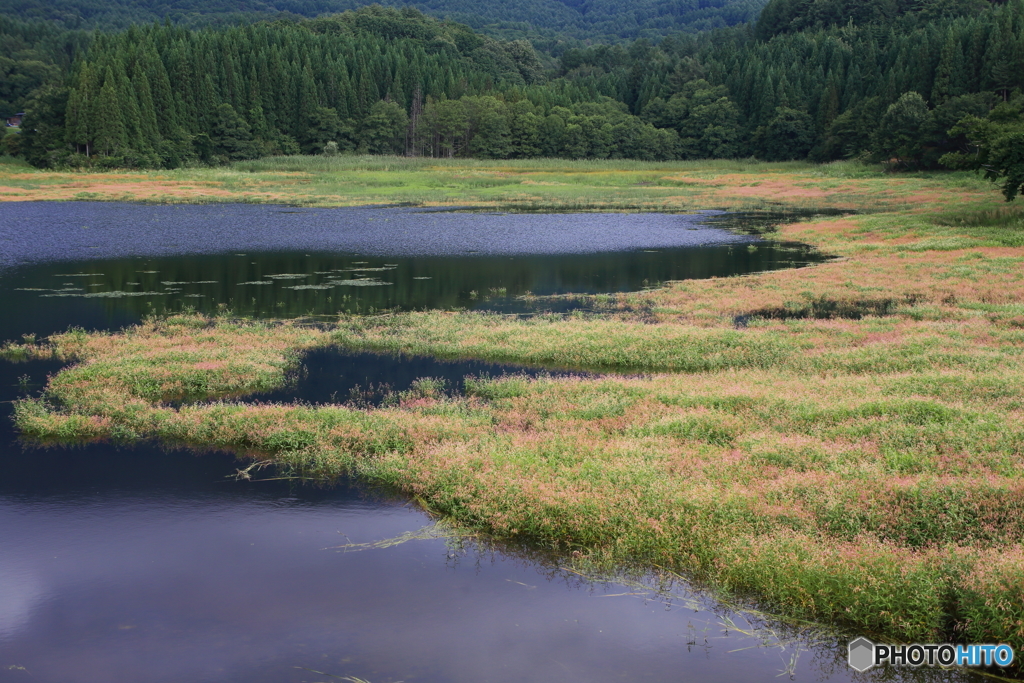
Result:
582,19
786,16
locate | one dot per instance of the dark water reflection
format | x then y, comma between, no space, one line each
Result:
339,376
106,265
148,565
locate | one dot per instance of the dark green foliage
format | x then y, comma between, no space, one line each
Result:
939,138
444,128
900,131
327,126
386,81
10,144
593,20
489,132
851,134
384,129
230,136
996,146
244,92
783,16
111,133
788,135
32,54
708,122
42,130
524,130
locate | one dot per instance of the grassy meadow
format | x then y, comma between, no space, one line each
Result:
534,184
843,442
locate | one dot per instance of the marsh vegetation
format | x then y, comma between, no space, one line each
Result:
850,453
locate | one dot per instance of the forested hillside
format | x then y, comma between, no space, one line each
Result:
386,81
32,53
783,16
579,19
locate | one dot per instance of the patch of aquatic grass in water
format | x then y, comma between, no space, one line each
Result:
26,350
990,598
881,587
362,282
40,420
143,367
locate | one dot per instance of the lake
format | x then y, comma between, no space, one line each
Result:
102,266
151,564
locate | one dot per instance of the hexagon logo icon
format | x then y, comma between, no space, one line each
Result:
862,654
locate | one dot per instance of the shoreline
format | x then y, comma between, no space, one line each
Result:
852,454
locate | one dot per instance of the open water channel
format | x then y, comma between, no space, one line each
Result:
151,564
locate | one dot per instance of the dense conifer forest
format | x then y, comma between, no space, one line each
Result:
911,84
555,19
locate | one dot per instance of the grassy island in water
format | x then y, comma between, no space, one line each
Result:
843,442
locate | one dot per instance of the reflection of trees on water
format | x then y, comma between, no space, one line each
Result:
331,284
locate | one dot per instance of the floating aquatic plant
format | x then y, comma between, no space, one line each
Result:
116,294
360,283
188,282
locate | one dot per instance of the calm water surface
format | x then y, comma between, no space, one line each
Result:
148,564
104,265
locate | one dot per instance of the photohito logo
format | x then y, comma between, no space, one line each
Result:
864,654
